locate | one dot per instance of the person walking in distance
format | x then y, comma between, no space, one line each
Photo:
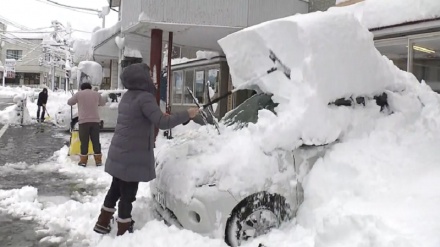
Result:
88,102
131,155
41,103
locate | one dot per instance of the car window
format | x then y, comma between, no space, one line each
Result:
247,112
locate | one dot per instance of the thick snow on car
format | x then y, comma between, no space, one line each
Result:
312,91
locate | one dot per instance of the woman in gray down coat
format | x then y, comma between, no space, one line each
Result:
130,157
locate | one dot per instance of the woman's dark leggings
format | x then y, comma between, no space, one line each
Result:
125,192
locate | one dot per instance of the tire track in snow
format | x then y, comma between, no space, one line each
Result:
3,130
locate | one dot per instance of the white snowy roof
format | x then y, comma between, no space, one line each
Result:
102,35
130,52
379,13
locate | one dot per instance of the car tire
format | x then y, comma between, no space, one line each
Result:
247,217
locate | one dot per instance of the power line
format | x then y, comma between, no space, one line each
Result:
15,37
73,7
81,31
17,41
7,21
51,4
28,32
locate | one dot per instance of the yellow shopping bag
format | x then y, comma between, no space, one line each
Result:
75,144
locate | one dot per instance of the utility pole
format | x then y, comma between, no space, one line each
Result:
55,50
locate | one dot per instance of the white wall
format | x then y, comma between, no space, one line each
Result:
114,74
232,13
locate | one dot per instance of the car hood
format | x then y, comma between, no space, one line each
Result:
233,161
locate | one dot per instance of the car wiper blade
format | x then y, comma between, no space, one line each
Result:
203,113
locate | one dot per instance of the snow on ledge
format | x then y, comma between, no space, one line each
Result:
131,52
206,54
380,13
99,36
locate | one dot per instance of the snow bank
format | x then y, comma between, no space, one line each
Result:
93,70
16,98
377,13
15,94
101,35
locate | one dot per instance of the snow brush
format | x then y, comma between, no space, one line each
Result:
279,66
48,115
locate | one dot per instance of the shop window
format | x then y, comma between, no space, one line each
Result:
176,53
396,51
189,82
177,87
106,83
199,90
31,79
14,54
213,79
426,61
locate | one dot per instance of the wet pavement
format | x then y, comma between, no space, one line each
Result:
5,102
22,148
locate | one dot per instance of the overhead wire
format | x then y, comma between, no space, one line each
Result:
59,6
21,39
17,41
7,21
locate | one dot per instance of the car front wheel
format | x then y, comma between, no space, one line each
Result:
256,215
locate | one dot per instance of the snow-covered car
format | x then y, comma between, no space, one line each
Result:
313,91
238,217
67,117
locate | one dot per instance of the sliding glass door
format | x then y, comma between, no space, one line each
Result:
422,58
426,60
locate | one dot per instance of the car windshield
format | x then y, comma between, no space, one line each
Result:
247,112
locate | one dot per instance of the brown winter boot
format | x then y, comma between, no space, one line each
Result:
98,159
125,225
83,160
102,226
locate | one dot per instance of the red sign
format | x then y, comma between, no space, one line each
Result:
10,74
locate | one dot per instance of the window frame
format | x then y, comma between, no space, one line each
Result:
173,91
205,70
19,54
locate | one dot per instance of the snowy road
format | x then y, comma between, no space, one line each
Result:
21,150
5,102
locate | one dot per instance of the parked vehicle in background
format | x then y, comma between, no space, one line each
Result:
67,117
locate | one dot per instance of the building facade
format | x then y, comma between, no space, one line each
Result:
27,50
412,42
147,27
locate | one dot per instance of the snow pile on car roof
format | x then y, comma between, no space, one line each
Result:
329,53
